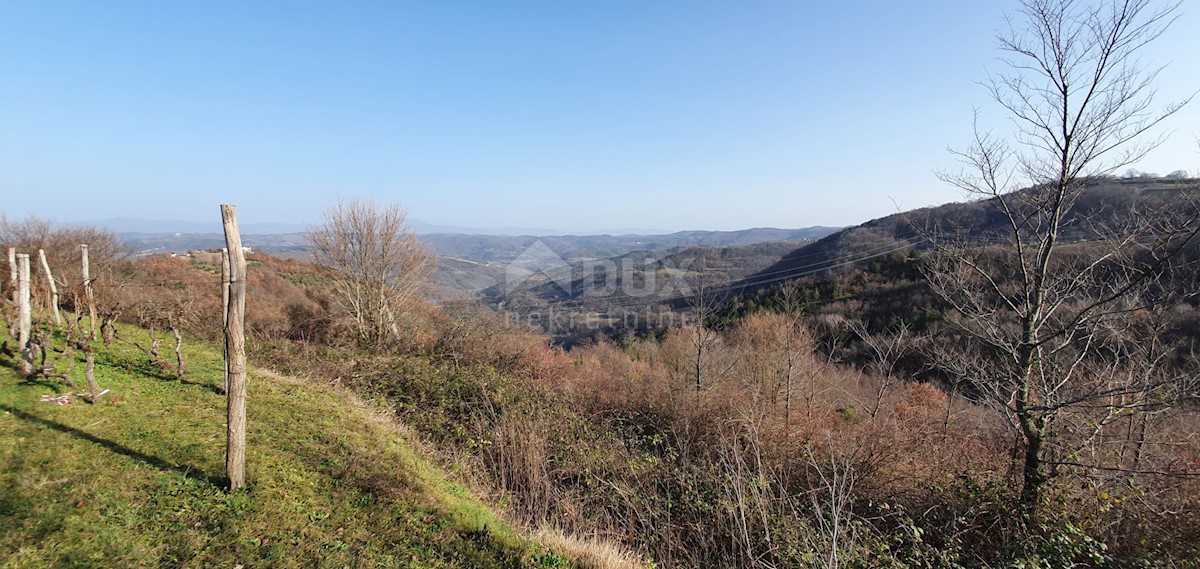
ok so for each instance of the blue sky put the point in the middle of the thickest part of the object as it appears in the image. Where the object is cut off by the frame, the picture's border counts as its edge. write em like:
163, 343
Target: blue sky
576, 116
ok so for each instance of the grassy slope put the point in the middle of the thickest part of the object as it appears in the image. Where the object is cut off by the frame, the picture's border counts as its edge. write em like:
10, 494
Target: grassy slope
137, 480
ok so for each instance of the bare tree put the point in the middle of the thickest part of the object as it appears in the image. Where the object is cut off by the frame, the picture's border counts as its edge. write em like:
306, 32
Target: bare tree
798, 345
376, 262
1054, 325
776, 351
832, 497
704, 300
886, 349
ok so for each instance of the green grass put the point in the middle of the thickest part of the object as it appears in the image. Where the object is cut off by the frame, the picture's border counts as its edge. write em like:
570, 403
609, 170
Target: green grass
138, 480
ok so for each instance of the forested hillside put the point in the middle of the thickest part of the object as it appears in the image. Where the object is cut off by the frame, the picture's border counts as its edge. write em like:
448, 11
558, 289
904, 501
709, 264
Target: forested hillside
1106, 206
690, 446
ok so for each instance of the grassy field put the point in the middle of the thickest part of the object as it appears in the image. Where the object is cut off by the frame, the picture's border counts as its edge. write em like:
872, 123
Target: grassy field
137, 480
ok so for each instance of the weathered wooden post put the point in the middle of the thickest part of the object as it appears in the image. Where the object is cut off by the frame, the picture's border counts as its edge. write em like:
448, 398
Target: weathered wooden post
24, 314
235, 352
12, 288
88, 295
225, 309
12, 274
53, 287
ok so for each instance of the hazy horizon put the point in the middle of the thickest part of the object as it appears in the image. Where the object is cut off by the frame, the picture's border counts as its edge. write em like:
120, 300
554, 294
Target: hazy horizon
158, 226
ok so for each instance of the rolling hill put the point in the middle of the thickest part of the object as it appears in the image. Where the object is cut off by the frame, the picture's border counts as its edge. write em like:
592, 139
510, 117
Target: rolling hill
137, 479
1105, 204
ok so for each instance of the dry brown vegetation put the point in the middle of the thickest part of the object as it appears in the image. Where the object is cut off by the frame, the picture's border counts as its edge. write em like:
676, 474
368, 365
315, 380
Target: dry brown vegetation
783, 457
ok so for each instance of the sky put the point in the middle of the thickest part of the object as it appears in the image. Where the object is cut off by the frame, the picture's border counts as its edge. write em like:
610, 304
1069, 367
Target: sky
572, 116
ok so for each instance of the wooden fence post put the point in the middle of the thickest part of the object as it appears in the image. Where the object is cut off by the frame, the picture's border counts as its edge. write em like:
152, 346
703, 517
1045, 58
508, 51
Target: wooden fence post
225, 309
235, 357
53, 287
24, 315
88, 295
12, 274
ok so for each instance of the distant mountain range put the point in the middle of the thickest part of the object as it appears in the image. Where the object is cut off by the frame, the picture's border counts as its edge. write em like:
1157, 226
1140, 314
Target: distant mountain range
424, 228
288, 244
471, 247
504, 249
129, 225
159, 226
587, 294
472, 263
636, 278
